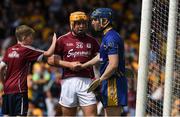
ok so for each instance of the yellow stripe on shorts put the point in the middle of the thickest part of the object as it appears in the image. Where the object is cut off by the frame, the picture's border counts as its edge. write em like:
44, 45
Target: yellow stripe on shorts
112, 92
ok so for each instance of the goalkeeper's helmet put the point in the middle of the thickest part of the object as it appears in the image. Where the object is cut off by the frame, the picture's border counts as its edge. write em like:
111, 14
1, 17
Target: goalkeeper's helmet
99, 13
77, 16
104, 16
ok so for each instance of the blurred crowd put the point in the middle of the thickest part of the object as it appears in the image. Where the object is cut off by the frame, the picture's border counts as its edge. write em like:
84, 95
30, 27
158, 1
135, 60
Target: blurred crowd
48, 16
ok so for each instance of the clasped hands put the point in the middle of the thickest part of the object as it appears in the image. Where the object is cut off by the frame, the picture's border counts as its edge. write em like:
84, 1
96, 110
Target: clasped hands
56, 60
76, 66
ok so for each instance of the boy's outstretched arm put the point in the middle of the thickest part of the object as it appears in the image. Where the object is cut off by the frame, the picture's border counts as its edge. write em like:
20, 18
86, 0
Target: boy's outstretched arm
51, 49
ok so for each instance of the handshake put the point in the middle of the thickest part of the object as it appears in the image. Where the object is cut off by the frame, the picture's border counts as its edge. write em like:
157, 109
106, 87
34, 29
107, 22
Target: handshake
76, 66
57, 61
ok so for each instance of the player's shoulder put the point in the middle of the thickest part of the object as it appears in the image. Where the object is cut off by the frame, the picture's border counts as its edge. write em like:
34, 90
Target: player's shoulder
12, 47
90, 36
17, 48
113, 35
64, 36
30, 48
91, 39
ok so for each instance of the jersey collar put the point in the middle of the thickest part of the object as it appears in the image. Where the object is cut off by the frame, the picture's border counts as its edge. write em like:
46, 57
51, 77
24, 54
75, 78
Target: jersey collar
106, 30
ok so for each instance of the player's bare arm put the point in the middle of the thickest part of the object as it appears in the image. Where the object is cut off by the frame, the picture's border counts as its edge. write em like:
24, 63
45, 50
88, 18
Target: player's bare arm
53, 60
112, 66
2, 71
92, 62
50, 51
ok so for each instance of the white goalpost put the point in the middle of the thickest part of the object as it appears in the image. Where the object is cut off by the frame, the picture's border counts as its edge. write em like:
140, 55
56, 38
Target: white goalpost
173, 4
144, 54
158, 86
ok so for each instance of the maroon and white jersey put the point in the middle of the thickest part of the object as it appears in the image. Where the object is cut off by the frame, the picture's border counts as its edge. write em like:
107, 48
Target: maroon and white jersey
18, 59
72, 48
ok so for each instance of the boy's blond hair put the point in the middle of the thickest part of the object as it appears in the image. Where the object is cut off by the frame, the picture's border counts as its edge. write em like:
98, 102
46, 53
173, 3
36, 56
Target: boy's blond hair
23, 31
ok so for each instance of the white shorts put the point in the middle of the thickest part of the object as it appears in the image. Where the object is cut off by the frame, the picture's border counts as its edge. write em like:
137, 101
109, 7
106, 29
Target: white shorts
74, 92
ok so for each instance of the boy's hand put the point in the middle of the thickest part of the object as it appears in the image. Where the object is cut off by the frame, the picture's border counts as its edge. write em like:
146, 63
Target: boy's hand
51, 49
54, 38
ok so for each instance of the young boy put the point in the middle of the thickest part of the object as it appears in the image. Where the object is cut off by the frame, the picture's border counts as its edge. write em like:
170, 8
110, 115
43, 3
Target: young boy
14, 69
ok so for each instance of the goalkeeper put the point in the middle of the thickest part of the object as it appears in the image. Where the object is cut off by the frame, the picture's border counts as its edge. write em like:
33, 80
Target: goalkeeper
112, 60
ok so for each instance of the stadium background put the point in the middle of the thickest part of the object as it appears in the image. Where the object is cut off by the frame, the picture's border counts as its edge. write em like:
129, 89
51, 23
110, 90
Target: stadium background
48, 16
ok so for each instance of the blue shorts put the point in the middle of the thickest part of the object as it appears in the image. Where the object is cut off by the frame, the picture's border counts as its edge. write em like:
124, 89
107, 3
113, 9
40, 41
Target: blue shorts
114, 92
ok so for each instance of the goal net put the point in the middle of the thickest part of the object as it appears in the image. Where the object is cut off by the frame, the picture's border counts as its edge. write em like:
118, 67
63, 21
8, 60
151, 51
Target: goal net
157, 61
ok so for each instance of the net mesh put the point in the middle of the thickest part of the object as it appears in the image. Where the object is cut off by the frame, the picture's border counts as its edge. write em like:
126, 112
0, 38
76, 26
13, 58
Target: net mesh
157, 61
